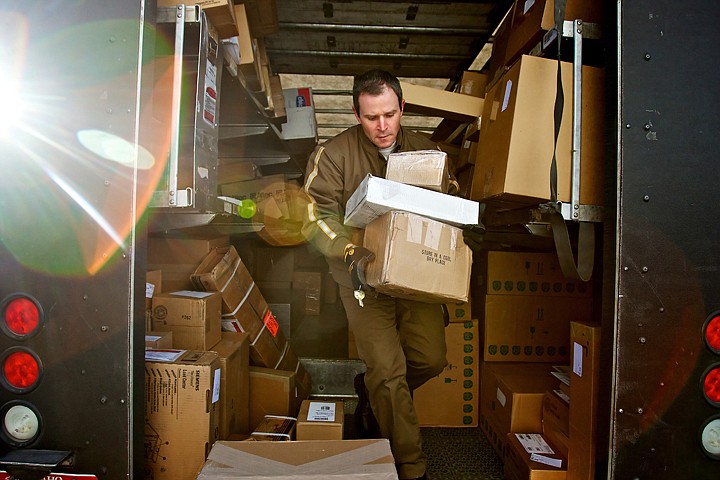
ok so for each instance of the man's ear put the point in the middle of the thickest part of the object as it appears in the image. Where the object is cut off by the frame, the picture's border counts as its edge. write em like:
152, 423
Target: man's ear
357, 117
402, 106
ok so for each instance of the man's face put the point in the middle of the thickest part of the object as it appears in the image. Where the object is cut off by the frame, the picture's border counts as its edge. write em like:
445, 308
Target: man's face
380, 116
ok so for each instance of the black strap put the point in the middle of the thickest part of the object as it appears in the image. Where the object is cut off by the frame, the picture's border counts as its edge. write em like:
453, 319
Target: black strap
582, 270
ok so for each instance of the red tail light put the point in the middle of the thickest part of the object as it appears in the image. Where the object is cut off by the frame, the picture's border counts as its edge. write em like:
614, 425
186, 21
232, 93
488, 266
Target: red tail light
711, 333
711, 384
21, 317
20, 370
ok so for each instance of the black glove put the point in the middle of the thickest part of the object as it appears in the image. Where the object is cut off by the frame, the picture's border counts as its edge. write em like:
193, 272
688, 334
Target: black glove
474, 235
356, 258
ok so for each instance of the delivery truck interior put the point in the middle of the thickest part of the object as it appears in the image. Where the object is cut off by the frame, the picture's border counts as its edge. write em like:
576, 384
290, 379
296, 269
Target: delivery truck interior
159, 305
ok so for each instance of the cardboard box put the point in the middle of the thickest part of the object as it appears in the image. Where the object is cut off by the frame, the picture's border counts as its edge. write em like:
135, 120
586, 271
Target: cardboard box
245, 308
511, 395
182, 412
275, 428
300, 111
527, 273
177, 257
234, 352
584, 387
193, 317
421, 168
473, 83
417, 258
517, 136
320, 420
532, 457
249, 64
451, 398
533, 18
220, 13
556, 419
158, 340
524, 328
272, 392
440, 103
459, 312
326, 459
376, 196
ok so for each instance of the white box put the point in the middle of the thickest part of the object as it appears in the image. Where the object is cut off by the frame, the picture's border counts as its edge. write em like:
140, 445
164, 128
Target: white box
376, 196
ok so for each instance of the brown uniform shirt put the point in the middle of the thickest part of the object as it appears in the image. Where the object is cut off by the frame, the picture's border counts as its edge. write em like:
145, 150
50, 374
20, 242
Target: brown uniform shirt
334, 171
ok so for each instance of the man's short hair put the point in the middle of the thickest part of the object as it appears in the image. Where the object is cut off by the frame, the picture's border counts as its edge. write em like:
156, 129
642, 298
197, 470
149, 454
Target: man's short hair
373, 82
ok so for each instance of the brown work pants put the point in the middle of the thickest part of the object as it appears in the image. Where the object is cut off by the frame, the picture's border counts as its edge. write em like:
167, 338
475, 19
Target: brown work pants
402, 343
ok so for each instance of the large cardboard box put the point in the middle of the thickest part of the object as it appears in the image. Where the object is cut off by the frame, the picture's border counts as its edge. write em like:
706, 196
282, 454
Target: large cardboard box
451, 398
440, 103
421, 168
418, 258
233, 350
182, 411
178, 256
376, 196
220, 13
317, 459
272, 392
511, 395
527, 273
584, 387
193, 317
524, 328
244, 307
517, 139
320, 420
533, 457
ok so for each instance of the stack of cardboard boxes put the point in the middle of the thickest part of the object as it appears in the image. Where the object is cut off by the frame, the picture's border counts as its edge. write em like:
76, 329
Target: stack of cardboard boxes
507, 152
528, 313
202, 341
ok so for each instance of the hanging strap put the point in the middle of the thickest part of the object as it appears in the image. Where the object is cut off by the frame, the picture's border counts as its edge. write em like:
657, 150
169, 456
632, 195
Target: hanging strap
582, 270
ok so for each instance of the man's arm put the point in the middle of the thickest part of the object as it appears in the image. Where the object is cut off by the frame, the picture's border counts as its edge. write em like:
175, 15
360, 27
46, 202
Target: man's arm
322, 222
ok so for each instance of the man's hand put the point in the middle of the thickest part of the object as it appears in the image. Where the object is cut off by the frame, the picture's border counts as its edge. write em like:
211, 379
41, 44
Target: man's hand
474, 235
356, 258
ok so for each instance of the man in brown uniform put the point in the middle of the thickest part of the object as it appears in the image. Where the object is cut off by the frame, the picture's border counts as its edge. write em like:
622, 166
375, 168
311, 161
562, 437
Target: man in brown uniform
402, 342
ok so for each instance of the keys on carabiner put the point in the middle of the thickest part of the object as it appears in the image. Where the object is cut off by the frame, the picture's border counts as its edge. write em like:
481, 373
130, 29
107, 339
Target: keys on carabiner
359, 296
